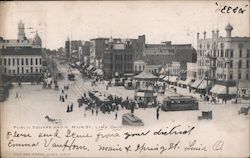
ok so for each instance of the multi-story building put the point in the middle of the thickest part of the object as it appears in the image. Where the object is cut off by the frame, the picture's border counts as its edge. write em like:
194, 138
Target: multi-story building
21, 64
224, 60
97, 48
117, 58
166, 53
72, 48
99, 45
21, 59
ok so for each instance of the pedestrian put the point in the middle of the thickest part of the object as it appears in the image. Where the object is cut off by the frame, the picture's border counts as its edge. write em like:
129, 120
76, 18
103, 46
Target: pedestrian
96, 112
84, 95
107, 87
84, 113
62, 91
116, 116
92, 111
71, 107
68, 110
60, 98
157, 115
66, 96
16, 95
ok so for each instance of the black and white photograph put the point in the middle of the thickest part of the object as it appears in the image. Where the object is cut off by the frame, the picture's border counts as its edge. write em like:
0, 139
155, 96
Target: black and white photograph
125, 79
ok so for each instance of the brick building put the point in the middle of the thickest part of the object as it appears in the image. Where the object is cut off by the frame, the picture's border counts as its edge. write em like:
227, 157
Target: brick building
118, 58
166, 53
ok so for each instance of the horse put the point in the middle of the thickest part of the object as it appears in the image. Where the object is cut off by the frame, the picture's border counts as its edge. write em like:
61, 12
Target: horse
56, 121
244, 110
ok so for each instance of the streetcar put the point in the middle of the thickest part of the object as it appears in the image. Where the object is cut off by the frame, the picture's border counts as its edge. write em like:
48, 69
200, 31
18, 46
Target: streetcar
180, 103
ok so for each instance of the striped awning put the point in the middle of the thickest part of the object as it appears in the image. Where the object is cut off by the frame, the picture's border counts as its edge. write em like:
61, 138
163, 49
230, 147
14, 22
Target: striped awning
196, 83
182, 71
204, 84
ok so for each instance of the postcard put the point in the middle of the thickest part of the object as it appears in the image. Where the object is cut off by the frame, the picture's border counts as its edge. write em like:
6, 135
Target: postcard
124, 79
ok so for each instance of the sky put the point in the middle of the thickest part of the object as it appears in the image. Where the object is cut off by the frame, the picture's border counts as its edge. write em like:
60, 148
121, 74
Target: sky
176, 21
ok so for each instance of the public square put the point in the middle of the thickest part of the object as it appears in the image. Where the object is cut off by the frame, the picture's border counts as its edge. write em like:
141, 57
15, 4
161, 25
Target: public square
34, 103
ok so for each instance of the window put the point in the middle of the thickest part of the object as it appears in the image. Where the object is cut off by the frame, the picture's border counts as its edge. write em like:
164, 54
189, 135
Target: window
247, 63
221, 53
9, 61
27, 71
13, 61
232, 53
31, 70
231, 64
4, 61
231, 76
22, 70
247, 76
9, 71
248, 53
0, 61
14, 71
226, 53
36, 70
239, 75
17, 60
240, 64
36, 61
31, 61
27, 62
240, 54
22, 60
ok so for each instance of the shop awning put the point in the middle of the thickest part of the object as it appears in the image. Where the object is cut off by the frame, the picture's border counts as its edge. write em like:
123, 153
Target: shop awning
221, 89
161, 76
90, 67
204, 84
187, 81
244, 85
196, 83
166, 78
98, 72
182, 71
173, 78
181, 82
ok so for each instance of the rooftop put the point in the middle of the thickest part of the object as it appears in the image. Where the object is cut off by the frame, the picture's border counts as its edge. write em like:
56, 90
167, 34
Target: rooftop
21, 51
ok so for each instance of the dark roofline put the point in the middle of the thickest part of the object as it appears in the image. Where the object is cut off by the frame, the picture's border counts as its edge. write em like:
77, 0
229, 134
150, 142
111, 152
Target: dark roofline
23, 51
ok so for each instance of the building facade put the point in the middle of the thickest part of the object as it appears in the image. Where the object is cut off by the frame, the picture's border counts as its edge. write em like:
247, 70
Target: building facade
21, 59
224, 60
166, 53
117, 59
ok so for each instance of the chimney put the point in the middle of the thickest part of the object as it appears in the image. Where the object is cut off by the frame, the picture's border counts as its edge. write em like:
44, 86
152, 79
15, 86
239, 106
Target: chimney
204, 33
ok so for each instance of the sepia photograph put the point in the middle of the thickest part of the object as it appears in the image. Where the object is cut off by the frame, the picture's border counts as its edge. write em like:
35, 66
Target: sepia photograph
125, 79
